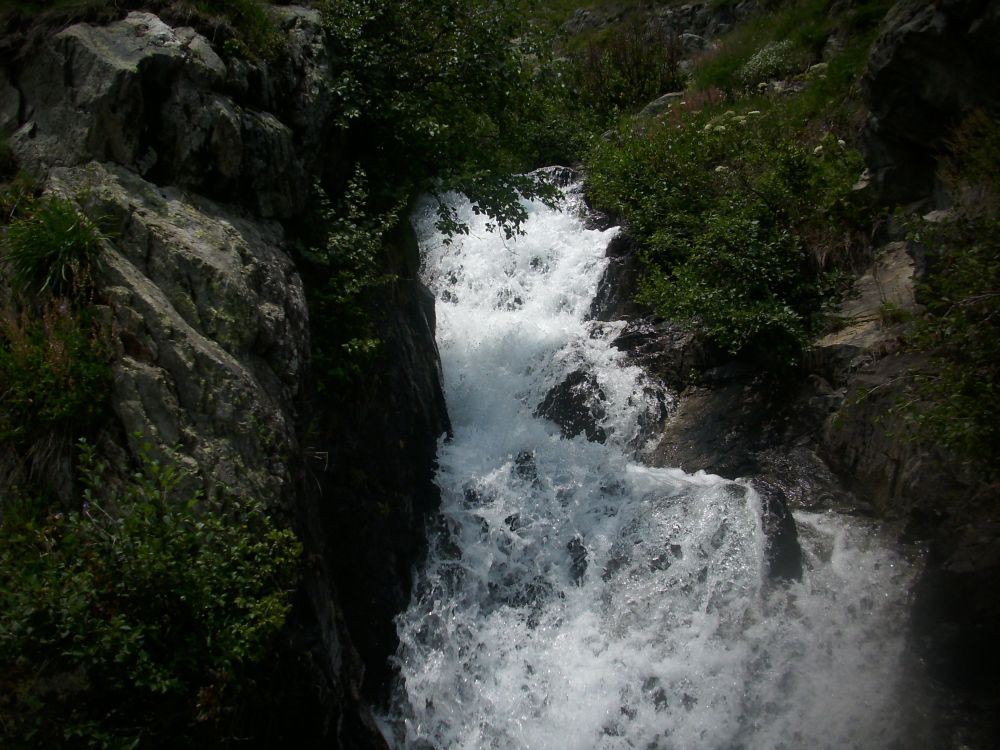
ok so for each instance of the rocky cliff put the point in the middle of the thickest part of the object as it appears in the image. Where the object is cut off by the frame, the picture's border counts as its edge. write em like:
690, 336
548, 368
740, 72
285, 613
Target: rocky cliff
196, 160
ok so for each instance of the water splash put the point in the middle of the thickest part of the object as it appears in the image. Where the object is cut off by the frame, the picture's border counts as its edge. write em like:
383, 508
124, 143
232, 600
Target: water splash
574, 598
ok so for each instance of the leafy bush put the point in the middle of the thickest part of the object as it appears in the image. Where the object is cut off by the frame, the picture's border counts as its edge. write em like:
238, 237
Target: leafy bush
345, 269
54, 372
131, 620
51, 247
433, 96
734, 217
773, 60
257, 35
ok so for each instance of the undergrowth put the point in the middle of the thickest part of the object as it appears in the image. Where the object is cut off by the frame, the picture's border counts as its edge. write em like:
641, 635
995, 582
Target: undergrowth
956, 404
131, 620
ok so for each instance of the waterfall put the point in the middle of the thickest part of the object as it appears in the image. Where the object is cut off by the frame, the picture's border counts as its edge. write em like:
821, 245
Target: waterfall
575, 598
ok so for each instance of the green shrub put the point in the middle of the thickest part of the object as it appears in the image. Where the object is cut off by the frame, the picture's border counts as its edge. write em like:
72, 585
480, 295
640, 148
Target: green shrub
735, 218
345, 269
257, 34
433, 96
131, 621
54, 372
773, 60
52, 247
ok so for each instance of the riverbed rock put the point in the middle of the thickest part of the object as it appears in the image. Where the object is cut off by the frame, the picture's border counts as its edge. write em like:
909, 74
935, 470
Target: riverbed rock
617, 287
577, 405
782, 550
665, 349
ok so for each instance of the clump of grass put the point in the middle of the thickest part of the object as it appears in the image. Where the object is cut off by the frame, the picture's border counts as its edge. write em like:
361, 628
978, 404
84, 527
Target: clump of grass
257, 35
52, 248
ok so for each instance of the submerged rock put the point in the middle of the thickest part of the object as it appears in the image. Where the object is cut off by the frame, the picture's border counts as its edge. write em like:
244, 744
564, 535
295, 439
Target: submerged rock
578, 559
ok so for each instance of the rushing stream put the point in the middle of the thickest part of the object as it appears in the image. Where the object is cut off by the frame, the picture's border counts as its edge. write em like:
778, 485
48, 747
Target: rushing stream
575, 598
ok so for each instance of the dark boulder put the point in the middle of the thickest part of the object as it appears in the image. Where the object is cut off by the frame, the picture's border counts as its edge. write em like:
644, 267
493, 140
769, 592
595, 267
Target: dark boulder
578, 559
931, 63
665, 349
616, 289
782, 551
577, 406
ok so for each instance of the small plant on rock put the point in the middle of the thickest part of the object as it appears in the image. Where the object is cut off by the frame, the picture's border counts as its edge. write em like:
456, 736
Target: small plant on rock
52, 247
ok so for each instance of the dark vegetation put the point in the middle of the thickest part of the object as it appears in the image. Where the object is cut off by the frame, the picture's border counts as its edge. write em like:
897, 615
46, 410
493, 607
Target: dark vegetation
961, 331
132, 620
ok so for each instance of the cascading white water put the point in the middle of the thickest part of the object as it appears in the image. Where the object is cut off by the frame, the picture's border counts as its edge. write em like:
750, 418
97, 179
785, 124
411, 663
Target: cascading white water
574, 598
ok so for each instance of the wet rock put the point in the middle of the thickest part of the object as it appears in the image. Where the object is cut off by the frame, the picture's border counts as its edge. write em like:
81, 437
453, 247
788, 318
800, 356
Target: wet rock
617, 287
615, 564
514, 522
474, 496
578, 559
577, 406
525, 467
665, 349
782, 550
715, 429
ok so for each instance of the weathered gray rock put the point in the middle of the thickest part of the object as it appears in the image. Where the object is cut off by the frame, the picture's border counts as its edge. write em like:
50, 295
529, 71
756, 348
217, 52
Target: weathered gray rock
867, 321
154, 99
660, 105
210, 325
931, 63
